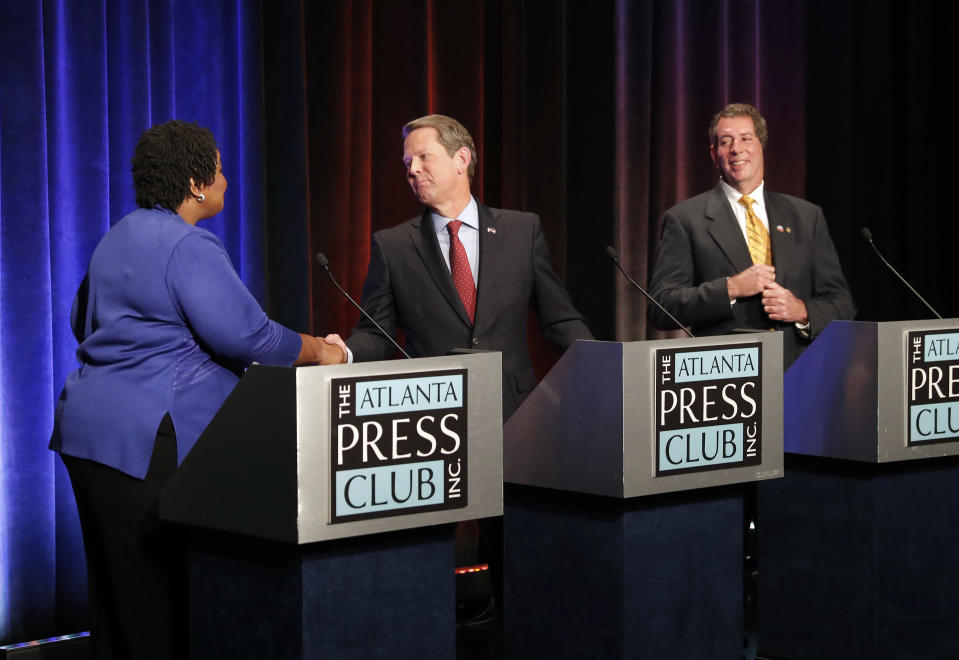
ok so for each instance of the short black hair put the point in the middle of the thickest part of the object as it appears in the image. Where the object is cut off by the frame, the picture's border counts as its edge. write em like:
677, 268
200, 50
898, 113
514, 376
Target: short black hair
167, 157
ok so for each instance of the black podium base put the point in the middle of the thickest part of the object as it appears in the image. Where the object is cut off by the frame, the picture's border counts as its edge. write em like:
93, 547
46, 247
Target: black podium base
593, 577
859, 560
382, 596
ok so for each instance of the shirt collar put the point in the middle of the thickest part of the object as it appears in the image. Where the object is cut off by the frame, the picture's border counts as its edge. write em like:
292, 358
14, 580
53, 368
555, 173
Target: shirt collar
469, 216
733, 195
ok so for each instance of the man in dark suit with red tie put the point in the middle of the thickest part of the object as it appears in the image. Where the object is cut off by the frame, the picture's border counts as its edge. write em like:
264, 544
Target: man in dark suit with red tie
461, 275
742, 256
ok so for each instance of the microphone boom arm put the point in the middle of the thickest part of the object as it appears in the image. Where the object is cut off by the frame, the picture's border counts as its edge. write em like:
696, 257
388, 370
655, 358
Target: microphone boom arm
868, 236
615, 257
324, 263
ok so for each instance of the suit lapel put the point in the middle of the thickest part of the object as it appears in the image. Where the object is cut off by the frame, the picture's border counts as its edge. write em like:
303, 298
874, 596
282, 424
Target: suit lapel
424, 240
781, 215
726, 231
490, 256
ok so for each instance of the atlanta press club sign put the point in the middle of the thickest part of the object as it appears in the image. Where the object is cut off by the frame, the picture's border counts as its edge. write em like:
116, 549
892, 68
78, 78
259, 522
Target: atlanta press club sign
708, 408
398, 444
932, 386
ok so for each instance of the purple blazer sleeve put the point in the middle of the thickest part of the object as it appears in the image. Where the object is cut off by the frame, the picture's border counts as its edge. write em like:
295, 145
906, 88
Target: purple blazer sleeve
219, 309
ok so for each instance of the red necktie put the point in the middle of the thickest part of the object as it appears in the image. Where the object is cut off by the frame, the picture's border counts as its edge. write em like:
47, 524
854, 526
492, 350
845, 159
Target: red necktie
460, 268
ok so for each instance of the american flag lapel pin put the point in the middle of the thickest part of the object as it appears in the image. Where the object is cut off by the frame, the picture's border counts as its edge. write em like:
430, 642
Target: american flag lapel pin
491, 230
780, 228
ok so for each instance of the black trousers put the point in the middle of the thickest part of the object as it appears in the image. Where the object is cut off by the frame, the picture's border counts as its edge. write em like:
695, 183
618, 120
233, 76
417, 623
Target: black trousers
136, 564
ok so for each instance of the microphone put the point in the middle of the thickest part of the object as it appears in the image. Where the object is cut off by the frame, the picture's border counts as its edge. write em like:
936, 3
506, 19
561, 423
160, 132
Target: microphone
868, 236
615, 257
324, 263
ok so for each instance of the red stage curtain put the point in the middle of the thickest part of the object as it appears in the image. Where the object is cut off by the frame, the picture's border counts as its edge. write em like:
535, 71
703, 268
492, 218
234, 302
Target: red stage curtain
594, 115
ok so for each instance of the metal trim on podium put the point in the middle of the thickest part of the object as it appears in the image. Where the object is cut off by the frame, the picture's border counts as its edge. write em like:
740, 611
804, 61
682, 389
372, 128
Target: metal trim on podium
609, 551
857, 543
295, 549
846, 396
589, 426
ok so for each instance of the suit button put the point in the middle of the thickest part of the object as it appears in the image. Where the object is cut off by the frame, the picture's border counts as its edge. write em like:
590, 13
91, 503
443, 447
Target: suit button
475, 341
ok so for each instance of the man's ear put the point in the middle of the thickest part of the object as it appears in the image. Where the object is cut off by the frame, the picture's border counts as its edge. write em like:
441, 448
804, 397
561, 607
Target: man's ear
712, 154
463, 158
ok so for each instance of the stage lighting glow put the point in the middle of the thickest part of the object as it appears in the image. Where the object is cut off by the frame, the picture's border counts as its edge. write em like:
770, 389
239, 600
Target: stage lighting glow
41, 642
471, 569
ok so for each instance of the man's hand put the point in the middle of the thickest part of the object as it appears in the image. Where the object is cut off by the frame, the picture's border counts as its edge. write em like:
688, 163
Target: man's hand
751, 281
334, 341
781, 305
321, 350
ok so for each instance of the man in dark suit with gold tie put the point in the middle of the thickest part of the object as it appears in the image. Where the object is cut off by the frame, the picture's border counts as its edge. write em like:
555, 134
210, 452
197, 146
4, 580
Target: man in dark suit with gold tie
742, 256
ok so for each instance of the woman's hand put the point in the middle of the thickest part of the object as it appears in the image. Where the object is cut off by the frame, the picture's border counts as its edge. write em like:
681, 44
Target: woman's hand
337, 349
321, 350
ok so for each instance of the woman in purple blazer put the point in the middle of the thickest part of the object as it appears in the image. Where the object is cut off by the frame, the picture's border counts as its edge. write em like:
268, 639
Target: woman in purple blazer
165, 327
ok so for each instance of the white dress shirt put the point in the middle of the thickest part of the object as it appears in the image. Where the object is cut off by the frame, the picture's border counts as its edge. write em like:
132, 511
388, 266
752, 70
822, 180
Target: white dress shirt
468, 235
759, 206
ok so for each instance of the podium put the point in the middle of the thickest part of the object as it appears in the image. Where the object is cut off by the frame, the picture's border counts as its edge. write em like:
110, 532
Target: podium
623, 520
320, 503
857, 550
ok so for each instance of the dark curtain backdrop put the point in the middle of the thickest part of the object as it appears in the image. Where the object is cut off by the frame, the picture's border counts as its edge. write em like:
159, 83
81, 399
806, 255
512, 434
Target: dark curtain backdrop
591, 113
882, 148
594, 115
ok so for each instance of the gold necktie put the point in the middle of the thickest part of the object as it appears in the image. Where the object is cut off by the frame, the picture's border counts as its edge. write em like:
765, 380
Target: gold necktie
760, 248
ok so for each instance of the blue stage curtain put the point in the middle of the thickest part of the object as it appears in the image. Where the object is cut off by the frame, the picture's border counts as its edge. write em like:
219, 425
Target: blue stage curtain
79, 81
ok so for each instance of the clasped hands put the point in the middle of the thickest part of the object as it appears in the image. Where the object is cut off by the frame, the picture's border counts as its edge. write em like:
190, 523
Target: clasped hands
322, 350
779, 303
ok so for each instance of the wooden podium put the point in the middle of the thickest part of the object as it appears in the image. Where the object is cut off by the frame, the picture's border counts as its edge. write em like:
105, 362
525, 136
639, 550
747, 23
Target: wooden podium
321, 501
623, 518
857, 542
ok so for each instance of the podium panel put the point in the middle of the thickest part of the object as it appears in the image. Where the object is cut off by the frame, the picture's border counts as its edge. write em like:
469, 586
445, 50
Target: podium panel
648, 577
320, 503
387, 595
876, 392
267, 464
623, 513
617, 419
857, 560
855, 549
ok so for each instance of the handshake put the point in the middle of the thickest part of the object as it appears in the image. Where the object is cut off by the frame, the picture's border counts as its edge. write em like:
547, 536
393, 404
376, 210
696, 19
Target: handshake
322, 350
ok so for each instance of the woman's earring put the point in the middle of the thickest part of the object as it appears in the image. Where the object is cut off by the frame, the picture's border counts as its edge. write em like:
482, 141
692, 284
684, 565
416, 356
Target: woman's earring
200, 198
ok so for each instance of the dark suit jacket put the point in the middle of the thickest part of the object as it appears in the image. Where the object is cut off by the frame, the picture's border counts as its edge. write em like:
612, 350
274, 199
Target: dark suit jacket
409, 287
702, 245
